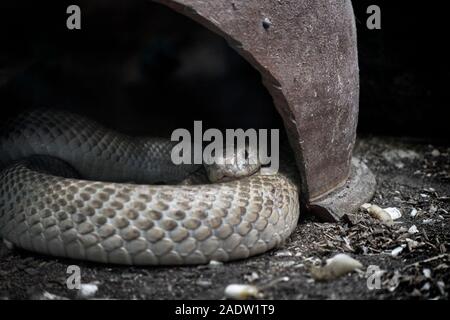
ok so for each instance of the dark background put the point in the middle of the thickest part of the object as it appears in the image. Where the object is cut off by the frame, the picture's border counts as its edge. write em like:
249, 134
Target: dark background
144, 69
404, 69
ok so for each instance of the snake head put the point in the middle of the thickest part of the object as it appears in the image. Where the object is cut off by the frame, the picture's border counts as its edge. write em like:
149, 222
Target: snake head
232, 163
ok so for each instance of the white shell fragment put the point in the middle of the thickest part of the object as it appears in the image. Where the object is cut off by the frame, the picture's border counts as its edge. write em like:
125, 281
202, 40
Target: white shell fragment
242, 292
413, 230
336, 267
394, 213
413, 213
379, 214
87, 290
396, 252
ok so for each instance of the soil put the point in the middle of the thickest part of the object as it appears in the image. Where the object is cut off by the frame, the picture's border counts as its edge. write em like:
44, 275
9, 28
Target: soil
412, 176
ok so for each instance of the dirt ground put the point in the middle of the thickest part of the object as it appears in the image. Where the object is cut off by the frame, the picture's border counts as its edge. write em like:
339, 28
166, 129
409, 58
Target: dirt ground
412, 176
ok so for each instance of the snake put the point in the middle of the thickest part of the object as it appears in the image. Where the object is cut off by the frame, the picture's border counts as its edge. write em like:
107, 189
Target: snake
73, 188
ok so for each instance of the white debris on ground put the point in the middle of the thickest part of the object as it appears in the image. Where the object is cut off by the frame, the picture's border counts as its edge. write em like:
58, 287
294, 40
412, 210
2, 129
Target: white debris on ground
378, 213
413, 213
395, 213
413, 230
242, 292
336, 267
87, 290
397, 251
386, 215
246, 291
435, 153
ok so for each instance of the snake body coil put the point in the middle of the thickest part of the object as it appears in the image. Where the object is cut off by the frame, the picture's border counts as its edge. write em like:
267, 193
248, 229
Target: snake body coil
45, 207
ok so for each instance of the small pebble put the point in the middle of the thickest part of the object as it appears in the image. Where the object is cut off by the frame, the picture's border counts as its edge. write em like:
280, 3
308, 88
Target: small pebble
435, 153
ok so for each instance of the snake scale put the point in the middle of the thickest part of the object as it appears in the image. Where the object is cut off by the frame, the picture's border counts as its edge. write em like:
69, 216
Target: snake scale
69, 187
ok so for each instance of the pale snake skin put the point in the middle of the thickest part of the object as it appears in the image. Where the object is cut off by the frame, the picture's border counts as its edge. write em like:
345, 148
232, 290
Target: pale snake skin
46, 208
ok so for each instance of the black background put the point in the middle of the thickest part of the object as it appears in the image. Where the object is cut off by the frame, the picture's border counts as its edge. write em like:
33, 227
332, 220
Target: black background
144, 69
405, 69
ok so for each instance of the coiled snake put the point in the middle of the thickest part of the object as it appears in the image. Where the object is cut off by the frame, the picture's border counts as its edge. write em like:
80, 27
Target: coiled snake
111, 216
